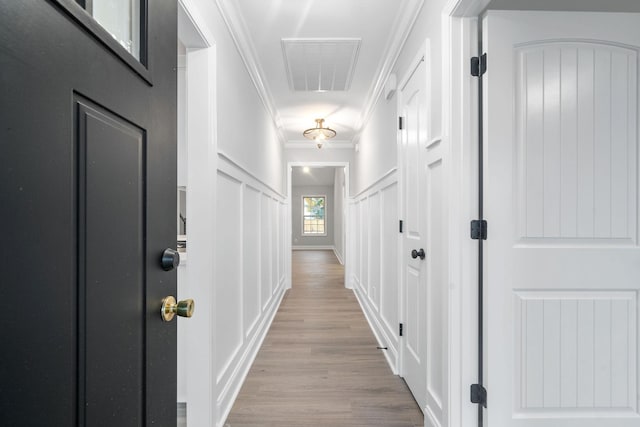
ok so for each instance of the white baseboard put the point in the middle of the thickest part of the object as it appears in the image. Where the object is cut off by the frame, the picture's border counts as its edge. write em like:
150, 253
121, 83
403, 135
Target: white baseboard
340, 260
231, 390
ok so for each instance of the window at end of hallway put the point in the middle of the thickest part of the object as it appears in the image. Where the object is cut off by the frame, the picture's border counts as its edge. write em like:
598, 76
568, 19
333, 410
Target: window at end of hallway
314, 216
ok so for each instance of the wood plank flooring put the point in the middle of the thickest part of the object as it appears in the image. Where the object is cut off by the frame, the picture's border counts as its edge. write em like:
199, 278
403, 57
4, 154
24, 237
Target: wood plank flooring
319, 365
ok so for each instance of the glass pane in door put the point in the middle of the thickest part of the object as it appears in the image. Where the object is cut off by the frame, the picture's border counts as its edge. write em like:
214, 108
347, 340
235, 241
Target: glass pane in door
121, 18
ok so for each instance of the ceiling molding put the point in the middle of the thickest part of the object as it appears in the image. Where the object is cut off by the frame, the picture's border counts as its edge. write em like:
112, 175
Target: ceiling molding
400, 32
240, 34
328, 145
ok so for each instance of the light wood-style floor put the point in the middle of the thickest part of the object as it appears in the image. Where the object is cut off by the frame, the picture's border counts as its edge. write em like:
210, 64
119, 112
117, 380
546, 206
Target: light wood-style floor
319, 365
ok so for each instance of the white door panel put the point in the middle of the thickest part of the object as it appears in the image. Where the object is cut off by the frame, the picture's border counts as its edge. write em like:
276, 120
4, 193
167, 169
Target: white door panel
437, 291
414, 138
425, 345
561, 184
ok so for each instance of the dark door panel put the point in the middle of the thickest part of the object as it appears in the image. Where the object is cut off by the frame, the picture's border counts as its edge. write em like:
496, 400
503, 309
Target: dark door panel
87, 200
111, 287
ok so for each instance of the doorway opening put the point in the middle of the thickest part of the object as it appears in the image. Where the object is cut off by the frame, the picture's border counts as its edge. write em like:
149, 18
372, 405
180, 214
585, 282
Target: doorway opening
318, 194
197, 162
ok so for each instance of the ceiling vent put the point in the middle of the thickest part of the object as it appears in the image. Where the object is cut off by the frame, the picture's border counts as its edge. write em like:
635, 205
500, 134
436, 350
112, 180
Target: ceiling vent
320, 65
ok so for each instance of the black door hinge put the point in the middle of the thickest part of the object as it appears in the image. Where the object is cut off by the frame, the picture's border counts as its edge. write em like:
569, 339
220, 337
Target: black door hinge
400, 124
400, 226
400, 329
479, 65
479, 394
479, 229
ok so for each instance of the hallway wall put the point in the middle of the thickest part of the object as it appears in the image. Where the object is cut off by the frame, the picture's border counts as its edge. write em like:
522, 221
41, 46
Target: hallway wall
245, 130
377, 147
248, 225
339, 191
250, 274
297, 238
310, 155
372, 259
378, 206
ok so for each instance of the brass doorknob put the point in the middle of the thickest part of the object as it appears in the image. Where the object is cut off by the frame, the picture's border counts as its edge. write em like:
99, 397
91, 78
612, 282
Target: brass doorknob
170, 308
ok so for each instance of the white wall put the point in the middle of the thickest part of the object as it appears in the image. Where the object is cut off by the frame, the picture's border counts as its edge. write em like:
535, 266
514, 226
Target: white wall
239, 201
298, 240
372, 258
250, 274
246, 133
378, 205
373, 237
313, 155
377, 147
339, 193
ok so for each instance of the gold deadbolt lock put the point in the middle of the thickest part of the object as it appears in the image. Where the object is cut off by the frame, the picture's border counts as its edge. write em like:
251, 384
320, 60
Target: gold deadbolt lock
170, 308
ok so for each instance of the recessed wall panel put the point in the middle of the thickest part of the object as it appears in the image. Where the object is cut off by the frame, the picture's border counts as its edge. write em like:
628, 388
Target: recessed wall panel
266, 255
389, 286
228, 272
364, 245
251, 251
374, 249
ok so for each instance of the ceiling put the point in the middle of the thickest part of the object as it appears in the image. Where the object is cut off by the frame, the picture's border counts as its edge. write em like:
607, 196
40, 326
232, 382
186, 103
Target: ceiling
350, 44
297, 51
315, 176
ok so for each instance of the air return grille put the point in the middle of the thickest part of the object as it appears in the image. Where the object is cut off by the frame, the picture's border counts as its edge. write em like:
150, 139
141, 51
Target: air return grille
320, 64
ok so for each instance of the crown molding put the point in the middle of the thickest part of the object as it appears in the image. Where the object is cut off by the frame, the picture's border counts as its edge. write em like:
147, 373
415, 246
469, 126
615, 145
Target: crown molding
328, 145
400, 33
240, 34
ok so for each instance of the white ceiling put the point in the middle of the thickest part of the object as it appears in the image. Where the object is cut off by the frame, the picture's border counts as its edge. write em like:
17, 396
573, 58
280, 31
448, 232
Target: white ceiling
259, 26
315, 176
381, 27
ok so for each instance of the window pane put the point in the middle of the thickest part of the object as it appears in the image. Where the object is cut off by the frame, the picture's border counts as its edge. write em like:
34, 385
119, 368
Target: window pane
121, 18
313, 221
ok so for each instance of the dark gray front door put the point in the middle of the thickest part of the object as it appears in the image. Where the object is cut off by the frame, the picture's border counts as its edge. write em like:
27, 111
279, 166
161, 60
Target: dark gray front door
87, 187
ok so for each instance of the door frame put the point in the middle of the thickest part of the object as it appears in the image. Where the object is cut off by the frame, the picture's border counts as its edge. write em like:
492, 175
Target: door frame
460, 127
346, 227
201, 120
422, 54
460, 24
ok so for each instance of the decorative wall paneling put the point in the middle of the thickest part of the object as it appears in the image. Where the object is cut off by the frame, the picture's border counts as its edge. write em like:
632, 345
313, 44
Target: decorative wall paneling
373, 260
250, 273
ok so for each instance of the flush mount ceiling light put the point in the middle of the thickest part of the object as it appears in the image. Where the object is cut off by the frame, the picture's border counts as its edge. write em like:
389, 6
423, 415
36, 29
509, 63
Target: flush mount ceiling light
319, 133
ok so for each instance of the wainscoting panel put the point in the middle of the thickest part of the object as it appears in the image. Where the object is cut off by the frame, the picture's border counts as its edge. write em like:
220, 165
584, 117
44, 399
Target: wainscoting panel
275, 244
228, 273
364, 245
374, 275
251, 250
389, 296
265, 255
249, 273
374, 249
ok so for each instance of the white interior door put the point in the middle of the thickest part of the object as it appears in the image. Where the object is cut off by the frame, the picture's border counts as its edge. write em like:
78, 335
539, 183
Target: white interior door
414, 140
561, 200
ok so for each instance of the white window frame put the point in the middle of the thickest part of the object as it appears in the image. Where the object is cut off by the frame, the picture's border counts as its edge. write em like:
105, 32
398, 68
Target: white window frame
326, 210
